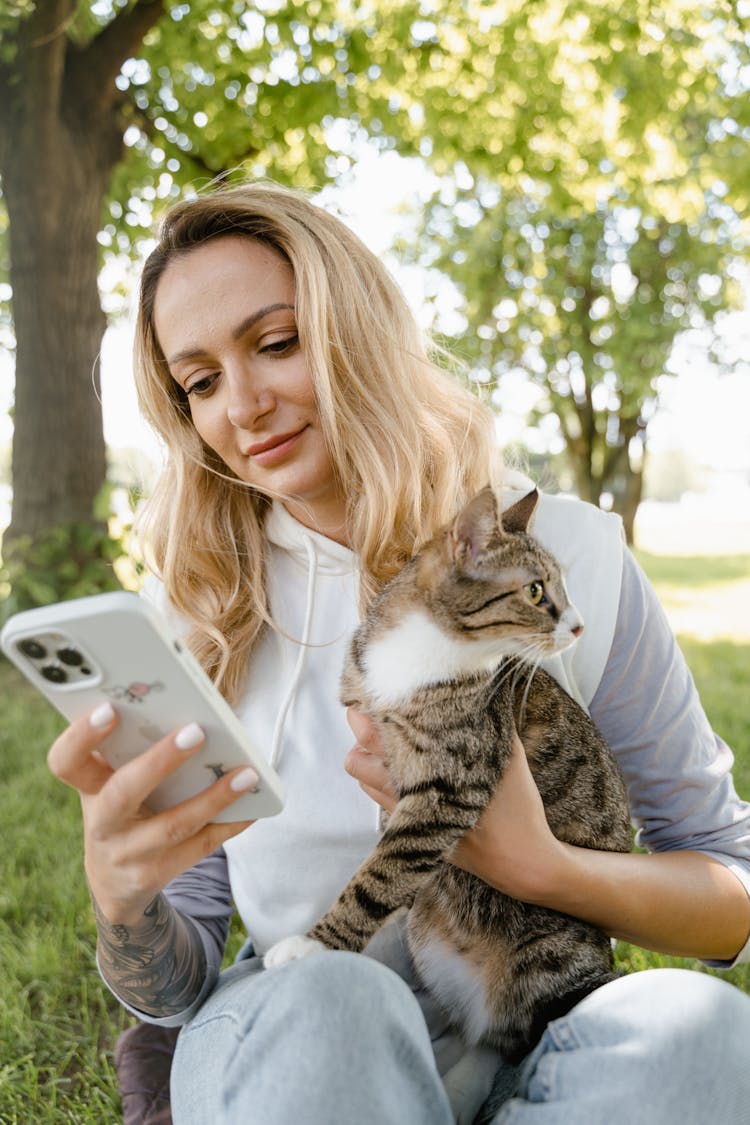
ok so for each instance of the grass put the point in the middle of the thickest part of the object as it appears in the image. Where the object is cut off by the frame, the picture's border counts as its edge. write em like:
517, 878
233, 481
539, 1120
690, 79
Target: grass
694, 571
58, 1024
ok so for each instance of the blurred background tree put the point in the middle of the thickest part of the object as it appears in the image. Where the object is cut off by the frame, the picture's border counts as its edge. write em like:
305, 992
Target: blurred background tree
593, 203
592, 190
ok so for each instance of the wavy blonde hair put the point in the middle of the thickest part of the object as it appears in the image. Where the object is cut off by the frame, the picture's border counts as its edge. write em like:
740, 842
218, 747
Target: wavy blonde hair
408, 443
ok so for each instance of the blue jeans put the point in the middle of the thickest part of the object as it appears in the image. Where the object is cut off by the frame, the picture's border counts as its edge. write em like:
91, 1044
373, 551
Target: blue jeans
339, 1039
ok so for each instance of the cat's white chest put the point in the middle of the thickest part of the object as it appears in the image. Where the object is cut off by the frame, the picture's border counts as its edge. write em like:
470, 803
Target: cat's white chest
417, 652
456, 984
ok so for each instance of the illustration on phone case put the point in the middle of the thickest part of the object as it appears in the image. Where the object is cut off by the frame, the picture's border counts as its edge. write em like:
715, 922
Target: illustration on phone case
218, 770
135, 692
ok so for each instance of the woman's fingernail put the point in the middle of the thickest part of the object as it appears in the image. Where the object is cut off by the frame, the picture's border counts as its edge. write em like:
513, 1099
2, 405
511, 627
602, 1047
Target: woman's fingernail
102, 716
189, 737
244, 780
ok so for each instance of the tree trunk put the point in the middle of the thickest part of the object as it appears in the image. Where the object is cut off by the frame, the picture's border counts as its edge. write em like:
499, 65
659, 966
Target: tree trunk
588, 486
61, 135
631, 499
54, 202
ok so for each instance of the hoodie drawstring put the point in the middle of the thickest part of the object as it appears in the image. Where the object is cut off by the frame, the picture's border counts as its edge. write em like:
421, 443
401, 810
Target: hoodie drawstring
278, 730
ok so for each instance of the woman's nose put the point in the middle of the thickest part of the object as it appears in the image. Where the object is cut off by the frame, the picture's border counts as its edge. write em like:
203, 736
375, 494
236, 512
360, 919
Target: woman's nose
248, 404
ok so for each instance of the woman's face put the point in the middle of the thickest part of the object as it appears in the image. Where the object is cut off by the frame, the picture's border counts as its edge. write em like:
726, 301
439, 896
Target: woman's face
224, 318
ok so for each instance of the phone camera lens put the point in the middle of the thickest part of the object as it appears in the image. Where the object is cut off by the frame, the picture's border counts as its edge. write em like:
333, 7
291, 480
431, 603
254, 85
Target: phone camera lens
54, 673
70, 656
32, 649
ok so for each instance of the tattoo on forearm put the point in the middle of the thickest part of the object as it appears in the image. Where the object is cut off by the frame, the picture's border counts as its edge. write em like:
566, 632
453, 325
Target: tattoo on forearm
158, 965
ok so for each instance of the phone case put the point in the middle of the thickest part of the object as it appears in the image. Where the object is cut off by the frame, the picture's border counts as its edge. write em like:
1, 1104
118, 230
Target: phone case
117, 647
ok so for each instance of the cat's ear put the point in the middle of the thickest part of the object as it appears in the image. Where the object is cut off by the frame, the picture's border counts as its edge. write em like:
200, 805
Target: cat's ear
473, 528
518, 517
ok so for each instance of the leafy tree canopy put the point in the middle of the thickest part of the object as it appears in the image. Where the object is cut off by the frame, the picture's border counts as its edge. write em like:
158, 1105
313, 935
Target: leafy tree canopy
594, 197
223, 87
592, 156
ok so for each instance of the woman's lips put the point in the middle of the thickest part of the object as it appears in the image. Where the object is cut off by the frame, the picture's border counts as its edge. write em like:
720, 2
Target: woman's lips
275, 449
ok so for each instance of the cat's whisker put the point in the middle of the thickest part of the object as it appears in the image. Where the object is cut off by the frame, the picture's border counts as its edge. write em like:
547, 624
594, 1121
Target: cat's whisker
510, 668
532, 672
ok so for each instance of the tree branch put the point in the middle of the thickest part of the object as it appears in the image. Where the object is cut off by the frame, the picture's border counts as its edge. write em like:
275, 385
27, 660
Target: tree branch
53, 23
38, 66
93, 68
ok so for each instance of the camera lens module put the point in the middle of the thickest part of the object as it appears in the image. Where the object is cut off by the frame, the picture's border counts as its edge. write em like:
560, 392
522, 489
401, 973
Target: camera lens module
54, 673
70, 656
33, 649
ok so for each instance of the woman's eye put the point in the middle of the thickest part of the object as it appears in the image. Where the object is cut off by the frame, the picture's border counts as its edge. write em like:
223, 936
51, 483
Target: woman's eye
201, 386
281, 347
535, 592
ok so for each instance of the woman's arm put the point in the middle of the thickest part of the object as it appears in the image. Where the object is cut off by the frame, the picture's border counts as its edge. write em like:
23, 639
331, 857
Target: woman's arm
681, 902
685, 903
156, 966
160, 968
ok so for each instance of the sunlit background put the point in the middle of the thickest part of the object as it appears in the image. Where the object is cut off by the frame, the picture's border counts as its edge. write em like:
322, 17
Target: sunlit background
698, 482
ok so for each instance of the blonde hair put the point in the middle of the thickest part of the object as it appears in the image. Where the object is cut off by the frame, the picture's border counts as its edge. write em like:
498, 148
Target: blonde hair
408, 443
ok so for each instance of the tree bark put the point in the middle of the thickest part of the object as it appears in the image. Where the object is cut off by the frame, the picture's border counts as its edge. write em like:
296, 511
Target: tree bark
631, 499
58, 444
60, 139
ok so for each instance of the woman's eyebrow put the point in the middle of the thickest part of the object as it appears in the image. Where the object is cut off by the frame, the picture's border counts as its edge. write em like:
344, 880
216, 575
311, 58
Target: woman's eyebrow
245, 325
237, 333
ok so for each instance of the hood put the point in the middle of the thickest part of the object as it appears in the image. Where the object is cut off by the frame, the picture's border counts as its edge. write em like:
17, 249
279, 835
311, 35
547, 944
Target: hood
288, 533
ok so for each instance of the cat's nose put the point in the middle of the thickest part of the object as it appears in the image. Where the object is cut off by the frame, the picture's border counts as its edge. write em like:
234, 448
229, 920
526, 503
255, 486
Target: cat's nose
576, 630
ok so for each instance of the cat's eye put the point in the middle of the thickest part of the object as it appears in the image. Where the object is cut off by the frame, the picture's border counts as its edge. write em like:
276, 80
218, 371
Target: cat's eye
534, 592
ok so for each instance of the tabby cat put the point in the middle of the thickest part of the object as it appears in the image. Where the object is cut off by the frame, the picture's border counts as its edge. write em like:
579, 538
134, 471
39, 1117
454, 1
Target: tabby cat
446, 662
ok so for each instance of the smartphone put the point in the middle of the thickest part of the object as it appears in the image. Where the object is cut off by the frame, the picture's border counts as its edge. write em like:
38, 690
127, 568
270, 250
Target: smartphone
117, 647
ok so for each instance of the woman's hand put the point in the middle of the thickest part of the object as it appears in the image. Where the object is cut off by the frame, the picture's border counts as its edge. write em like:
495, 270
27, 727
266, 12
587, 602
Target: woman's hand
130, 853
366, 763
511, 848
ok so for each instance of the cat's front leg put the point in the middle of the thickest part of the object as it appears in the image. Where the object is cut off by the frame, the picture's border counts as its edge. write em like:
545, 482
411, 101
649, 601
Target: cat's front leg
422, 830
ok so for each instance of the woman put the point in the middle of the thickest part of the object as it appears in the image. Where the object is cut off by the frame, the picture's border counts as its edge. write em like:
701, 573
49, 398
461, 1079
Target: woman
313, 447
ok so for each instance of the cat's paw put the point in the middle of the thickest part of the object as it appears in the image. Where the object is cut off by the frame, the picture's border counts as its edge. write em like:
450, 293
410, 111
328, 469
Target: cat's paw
291, 949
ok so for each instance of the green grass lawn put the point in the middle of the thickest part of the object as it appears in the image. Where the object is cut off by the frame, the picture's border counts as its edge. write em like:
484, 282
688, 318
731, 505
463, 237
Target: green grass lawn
57, 1022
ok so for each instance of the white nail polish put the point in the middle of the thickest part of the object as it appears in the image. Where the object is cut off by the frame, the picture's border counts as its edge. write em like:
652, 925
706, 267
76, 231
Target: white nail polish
189, 737
246, 779
102, 716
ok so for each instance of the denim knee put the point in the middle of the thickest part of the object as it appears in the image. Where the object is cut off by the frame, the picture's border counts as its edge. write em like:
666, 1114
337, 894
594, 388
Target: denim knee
660, 1046
304, 993
665, 1010
333, 1037
356, 988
